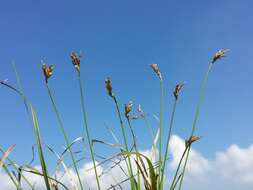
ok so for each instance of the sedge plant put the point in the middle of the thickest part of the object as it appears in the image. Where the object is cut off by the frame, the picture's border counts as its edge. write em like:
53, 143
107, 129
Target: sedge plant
218, 55
128, 163
176, 92
48, 72
76, 60
153, 174
128, 109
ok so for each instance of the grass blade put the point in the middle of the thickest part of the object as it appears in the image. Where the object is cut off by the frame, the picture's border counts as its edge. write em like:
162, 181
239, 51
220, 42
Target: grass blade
40, 150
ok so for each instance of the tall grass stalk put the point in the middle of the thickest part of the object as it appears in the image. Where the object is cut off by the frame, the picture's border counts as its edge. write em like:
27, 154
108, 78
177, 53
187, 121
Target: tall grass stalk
136, 150
174, 181
60, 122
201, 98
167, 143
130, 169
86, 128
40, 150
161, 131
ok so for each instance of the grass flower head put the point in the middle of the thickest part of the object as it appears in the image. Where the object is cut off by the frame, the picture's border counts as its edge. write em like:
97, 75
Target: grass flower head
109, 87
76, 60
177, 90
47, 71
219, 54
191, 140
128, 108
156, 70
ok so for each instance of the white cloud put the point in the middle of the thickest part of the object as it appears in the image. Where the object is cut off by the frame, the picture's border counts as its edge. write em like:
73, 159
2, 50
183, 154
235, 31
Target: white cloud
230, 169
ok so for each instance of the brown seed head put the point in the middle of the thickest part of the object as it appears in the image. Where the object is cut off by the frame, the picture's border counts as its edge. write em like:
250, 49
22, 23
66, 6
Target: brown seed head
177, 90
156, 70
48, 72
128, 108
191, 140
219, 54
76, 60
109, 87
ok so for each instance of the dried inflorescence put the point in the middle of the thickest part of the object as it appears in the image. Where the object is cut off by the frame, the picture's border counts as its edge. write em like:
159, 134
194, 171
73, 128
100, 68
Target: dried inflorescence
156, 70
219, 54
128, 108
76, 60
191, 140
47, 71
177, 90
109, 87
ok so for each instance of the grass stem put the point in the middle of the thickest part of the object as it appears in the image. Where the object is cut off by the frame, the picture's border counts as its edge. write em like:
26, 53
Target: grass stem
60, 122
167, 143
130, 169
87, 130
201, 98
160, 126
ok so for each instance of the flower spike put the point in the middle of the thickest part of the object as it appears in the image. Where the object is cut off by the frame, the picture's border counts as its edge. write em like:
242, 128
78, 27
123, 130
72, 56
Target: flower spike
219, 55
76, 60
48, 71
156, 70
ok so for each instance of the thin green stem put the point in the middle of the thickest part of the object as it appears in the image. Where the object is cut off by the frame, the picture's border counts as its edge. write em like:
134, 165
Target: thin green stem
168, 141
173, 184
60, 122
136, 150
161, 131
130, 169
149, 128
87, 130
202, 92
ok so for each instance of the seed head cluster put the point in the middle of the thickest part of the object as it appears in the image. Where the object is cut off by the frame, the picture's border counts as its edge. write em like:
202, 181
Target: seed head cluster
109, 87
177, 90
156, 70
191, 140
219, 55
47, 71
76, 60
128, 108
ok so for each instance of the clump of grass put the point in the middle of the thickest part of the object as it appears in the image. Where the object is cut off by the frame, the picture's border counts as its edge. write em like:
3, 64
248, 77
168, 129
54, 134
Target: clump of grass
148, 171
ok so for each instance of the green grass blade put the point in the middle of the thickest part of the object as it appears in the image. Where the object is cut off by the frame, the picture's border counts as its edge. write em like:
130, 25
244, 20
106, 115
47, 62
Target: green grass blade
40, 150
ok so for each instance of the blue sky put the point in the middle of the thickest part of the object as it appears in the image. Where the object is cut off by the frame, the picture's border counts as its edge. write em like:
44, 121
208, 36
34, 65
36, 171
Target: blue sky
119, 39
